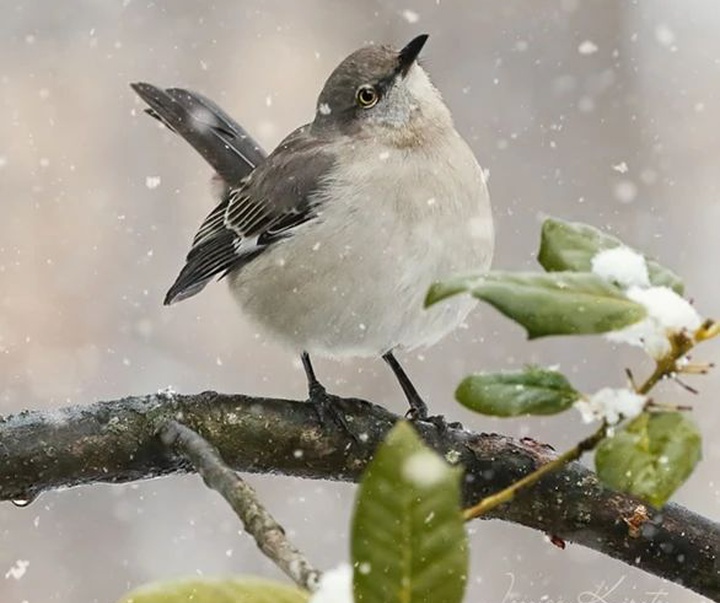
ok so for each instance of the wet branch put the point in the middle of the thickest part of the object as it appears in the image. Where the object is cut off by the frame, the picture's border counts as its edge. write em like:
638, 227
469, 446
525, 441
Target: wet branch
116, 441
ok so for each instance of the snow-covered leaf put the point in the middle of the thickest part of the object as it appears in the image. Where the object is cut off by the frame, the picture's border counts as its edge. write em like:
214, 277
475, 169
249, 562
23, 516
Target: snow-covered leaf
651, 457
572, 246
408, 540
534, 391
559, 303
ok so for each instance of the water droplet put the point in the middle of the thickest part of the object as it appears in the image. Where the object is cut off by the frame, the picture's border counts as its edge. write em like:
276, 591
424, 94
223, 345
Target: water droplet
23, 502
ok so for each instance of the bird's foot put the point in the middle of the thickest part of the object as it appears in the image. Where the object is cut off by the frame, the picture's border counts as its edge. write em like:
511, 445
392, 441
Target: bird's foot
329, 409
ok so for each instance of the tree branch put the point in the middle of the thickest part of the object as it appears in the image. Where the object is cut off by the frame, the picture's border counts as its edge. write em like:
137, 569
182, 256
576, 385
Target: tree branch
257, 521
117, 442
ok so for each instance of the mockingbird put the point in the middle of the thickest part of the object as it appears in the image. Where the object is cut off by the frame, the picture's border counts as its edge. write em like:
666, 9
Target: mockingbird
331, 242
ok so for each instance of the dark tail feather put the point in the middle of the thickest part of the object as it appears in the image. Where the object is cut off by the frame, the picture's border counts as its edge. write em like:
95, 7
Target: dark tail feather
223, 143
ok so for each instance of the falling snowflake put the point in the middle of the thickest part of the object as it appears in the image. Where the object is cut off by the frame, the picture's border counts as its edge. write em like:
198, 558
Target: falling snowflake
587, 47
152, 182
410, 16
18, 570
621, 167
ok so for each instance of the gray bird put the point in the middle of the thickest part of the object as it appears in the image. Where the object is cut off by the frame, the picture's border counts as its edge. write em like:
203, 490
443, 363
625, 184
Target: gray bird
331, 242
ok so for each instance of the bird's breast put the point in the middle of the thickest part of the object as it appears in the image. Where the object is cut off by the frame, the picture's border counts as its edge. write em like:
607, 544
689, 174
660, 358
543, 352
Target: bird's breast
353, 281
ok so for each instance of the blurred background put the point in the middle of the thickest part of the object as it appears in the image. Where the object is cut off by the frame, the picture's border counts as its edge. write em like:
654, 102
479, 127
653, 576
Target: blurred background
602, 111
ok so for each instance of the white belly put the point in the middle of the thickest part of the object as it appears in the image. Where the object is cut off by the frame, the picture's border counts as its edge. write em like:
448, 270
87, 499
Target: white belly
353, 282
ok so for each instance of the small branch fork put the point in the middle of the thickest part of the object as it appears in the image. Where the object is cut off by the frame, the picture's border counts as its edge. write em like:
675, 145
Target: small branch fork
258, 522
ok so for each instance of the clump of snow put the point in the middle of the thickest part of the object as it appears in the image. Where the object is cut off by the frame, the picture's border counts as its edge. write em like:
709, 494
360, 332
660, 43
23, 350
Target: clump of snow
668, 313
587, 47
667, 307
424, 469
611, 405
621, 167
324, 109
335, 586
622, 265
643, 334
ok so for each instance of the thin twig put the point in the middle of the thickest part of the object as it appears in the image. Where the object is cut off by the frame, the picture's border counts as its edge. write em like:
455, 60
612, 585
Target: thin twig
267, 532
665, 367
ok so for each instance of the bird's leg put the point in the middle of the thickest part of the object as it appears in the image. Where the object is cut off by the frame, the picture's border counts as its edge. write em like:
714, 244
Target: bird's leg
314, 386
418, 409
326, 405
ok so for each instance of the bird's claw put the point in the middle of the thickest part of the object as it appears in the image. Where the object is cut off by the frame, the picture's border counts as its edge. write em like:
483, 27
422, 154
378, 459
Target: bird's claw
438, 421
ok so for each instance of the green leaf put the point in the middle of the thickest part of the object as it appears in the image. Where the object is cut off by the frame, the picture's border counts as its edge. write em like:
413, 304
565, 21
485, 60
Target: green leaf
229, 590
572, 245
534, 391
560, 303
408, 540
651, 457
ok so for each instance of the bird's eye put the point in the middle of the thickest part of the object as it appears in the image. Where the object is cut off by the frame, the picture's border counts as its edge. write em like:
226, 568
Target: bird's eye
367, 96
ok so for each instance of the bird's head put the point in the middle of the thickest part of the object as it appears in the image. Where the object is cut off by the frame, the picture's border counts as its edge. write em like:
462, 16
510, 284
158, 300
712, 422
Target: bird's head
380, 91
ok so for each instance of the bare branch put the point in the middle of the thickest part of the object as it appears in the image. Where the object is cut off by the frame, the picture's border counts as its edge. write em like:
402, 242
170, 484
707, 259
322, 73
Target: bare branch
268, 533
116, 442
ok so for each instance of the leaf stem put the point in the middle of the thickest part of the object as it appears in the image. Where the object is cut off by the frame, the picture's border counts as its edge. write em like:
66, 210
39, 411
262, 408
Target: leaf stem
681, 345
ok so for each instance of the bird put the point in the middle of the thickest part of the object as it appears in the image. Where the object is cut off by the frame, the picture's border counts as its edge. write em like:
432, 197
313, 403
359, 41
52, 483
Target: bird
330, 243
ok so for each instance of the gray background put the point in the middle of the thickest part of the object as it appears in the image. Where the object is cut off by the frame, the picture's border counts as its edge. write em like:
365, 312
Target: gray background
87, 249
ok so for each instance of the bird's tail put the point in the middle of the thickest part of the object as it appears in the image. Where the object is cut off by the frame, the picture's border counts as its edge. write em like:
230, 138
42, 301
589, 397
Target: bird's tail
222, 142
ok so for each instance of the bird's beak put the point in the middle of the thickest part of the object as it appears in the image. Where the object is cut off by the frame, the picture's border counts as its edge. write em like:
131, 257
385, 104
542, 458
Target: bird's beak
407, 56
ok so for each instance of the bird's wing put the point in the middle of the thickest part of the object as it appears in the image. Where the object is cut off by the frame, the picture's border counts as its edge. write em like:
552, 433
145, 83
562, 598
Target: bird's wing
275, 200
224, 143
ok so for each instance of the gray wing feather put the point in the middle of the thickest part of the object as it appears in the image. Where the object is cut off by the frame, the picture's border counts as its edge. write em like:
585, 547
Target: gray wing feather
275, 200
266, 199
224, 143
